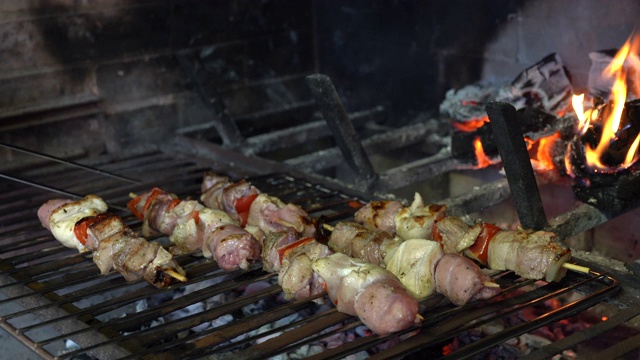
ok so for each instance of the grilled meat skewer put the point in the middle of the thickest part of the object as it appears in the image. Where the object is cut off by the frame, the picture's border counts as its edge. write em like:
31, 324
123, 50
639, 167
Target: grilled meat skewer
420, 264
86, 226
260, 211
532, 255
368, 291
417, 273
307, 267
193, 227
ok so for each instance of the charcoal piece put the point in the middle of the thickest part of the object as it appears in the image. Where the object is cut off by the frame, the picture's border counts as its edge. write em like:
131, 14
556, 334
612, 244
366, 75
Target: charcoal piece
462, 144
537, 93
611, 193
534, 123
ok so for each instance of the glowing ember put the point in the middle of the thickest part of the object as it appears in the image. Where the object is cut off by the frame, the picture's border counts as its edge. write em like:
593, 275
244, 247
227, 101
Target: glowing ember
471, 125
543, 159
612, 121
483, 160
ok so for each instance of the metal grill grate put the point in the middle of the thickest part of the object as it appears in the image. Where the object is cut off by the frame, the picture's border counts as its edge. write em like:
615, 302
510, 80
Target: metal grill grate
61, 294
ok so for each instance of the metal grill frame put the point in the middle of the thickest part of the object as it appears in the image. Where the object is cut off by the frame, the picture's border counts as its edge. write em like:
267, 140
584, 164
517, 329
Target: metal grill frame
33, 290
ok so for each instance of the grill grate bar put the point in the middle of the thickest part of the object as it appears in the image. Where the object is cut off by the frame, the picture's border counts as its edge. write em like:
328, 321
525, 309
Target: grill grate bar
69, 163
585, 335
468, 318
157, 333
276, 345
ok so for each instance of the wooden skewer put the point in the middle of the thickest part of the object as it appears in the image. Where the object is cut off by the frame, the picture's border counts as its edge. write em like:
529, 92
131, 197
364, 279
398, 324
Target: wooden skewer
169, 272
328, 227
176, 275
491, 284
577, 268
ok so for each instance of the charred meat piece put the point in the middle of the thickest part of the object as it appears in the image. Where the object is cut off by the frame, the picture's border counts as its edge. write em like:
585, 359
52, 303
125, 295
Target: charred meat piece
297, 277
455, 235
370, 292
379, 215
274, 245
355, 240
135, 258
417, 220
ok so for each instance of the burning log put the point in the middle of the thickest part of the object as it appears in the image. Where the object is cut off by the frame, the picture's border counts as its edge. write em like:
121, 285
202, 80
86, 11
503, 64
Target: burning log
537, 93
604, 157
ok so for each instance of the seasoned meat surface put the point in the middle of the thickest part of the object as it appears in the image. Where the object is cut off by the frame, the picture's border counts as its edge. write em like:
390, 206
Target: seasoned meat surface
370, 292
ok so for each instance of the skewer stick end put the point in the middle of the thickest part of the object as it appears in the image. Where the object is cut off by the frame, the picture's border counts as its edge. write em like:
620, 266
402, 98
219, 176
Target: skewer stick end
576, 268
176, 275
328, 227
133, 195
491, 284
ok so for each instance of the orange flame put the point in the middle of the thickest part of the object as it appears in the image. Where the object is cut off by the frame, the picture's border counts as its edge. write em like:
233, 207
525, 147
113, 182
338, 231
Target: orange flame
567, 161
483, 160
612, 122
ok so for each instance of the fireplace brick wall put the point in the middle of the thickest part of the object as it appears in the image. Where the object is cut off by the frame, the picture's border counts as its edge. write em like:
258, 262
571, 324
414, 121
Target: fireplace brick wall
95, 76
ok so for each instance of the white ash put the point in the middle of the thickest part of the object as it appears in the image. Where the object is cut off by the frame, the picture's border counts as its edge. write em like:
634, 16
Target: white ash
71, 346
600, 84
468, 103
142, 305
545, 85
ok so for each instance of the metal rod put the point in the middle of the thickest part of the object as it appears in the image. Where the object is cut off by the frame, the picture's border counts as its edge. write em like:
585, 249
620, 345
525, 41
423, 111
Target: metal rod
70, 163
225, 124
517, 164
338, 121
52, 189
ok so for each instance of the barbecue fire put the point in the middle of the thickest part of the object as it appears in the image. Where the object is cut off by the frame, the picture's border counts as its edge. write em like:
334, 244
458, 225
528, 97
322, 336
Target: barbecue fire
616, 130
606, 133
